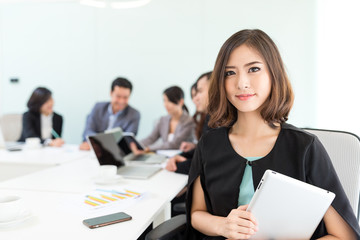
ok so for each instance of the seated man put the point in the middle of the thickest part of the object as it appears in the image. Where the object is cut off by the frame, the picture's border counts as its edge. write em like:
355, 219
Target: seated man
117, 113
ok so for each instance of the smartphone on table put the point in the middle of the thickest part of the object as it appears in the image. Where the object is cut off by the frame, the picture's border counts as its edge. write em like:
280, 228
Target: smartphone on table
107, 220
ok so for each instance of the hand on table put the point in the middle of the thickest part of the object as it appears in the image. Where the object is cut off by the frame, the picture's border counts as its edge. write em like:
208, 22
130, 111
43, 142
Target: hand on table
57, 142
84, 146
171, 163
187, 146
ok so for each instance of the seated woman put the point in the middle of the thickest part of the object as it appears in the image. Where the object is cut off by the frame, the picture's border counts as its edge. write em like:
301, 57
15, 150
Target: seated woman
199, 118
250, 97
41, 121
173, 128
181, 163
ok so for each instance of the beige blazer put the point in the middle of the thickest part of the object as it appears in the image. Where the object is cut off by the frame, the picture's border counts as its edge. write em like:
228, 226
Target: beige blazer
185, 131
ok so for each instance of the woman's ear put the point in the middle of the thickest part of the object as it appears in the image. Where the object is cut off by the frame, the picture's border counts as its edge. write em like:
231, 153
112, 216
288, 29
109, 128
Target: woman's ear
181, 102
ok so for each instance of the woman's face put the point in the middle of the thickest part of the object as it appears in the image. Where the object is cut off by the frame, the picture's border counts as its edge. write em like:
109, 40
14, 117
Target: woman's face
201, 98
47, 107
171, 107
193, 94
247, 79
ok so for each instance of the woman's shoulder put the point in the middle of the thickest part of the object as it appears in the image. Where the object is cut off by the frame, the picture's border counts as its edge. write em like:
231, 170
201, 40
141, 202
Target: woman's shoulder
214, 135
292, 133
165, 118
31, 114
57, 115
186, 119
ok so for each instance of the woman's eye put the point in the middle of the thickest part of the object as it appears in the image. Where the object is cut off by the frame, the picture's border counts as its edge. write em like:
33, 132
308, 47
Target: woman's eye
254, 69
229, 73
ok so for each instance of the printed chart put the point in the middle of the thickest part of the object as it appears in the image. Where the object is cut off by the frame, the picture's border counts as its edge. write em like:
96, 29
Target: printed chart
102, 197
102, 201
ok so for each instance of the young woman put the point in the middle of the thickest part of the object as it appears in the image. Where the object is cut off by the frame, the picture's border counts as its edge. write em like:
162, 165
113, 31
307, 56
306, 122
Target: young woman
199, 118
250, 97
173, 128
41, 121
181, 163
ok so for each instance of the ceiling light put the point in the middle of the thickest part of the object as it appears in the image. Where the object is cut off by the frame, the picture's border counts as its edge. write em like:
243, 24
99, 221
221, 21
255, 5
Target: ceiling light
115, 3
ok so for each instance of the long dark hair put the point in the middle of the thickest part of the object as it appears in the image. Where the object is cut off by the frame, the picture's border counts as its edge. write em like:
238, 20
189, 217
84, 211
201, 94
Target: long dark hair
193, 87
207, 75
199, 118
175, 94
277, 107
39, 96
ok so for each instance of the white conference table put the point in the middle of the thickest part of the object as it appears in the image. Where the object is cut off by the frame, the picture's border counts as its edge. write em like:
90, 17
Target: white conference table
49, 194
20, 163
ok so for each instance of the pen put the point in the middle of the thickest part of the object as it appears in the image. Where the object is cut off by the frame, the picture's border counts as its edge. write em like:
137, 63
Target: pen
54, 133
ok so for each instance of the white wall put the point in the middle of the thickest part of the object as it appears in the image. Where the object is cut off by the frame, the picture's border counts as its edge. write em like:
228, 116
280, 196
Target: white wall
77, 51
338, 77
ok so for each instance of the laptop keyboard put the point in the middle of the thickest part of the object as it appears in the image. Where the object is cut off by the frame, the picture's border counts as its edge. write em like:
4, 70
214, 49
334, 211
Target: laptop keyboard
140, 157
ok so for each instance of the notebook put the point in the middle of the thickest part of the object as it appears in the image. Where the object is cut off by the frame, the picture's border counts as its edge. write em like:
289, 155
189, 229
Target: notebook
107, 152
287, 208
125, 138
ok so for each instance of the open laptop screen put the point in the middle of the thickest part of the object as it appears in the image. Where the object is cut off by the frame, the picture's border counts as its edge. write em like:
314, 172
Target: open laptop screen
106, 149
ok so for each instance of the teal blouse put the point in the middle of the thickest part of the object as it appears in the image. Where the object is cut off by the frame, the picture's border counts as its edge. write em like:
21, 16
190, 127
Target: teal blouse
247, 185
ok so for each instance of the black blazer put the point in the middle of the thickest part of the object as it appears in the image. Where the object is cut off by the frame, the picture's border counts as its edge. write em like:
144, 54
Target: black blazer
31, 125
296, 153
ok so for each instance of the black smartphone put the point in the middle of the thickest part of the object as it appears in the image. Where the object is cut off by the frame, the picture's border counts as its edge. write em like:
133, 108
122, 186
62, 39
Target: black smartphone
107, 220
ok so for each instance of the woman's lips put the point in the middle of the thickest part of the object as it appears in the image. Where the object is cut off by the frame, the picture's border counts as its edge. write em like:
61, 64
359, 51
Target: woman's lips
245, 97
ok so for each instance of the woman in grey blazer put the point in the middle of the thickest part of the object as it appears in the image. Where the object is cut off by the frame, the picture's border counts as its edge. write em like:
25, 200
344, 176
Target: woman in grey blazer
173, 128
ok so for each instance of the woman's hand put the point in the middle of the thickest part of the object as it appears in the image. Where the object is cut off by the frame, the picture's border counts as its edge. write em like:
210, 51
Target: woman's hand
187, 146
239, 224
137, 151
171, 163
58, 142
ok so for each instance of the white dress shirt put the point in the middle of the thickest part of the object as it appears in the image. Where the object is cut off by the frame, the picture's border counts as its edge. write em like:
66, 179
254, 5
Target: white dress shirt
46, 126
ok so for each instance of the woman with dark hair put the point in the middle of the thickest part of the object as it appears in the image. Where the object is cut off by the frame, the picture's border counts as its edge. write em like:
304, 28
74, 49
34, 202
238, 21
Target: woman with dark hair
173, 128
250, 98
181, 163
41, 121
198, 117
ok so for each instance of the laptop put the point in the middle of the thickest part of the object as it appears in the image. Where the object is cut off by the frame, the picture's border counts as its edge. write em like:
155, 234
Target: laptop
287, 208
125, 138
107, 152
10, 146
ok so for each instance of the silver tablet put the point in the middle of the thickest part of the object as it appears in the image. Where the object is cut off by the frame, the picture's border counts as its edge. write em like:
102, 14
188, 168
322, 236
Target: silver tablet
287, 208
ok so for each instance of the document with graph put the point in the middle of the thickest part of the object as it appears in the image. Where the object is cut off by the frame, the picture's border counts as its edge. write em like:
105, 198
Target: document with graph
103, 200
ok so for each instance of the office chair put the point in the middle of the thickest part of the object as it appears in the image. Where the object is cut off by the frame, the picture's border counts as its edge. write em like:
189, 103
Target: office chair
171, 229
11, 125
344, 151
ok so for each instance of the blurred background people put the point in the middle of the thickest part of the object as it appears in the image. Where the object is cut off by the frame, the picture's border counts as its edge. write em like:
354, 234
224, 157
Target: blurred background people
173, 128
181, 163
199, 118
116, 113
40, 120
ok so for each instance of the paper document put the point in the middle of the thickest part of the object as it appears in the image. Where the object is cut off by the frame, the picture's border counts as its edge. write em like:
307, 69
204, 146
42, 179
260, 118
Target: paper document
103, 200
169, 153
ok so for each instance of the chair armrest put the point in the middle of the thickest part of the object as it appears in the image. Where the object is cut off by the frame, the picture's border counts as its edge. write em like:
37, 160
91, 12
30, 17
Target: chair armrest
168, 229
180, 207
